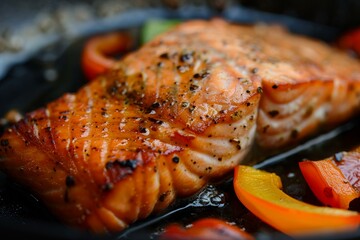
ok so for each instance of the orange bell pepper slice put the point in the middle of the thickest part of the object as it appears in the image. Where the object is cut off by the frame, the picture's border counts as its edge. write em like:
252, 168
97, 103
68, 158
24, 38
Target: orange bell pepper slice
260, 192
99, 51
328, 183
205, 229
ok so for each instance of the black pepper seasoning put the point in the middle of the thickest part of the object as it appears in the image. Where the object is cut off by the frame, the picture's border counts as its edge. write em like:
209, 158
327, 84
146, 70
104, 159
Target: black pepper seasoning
70, 181
273, 113
164, 56
176, 159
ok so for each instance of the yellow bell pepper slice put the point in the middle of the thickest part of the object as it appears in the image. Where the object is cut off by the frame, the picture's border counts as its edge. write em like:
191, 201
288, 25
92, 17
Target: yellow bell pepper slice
260, 192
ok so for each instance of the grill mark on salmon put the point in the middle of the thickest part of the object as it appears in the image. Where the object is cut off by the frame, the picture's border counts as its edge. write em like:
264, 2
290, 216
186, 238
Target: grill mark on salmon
181, 111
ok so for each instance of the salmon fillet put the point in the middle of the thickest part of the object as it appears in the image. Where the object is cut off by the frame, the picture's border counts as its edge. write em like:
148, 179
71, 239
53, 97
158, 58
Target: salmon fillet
179, 112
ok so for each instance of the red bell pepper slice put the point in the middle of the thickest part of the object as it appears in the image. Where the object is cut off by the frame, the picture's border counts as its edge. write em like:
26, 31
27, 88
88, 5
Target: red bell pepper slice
351, 40
334, 181
99, 51
205, 229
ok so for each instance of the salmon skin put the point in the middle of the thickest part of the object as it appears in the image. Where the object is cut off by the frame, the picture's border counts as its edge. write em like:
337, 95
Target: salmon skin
181, 111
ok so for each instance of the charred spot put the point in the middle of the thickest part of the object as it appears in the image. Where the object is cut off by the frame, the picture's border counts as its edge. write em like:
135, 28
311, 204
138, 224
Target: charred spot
197, 76
248, 104
176, 159
164, 56
275, 86
47, 129
273, 113
69, 181
153, 120
129, 163
248, 91
259, 90
338, 156
155, 105
119, 169
143, 130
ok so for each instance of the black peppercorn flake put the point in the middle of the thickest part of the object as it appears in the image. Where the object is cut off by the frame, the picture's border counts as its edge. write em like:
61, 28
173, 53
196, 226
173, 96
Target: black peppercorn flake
70, 181
155, 105
273, 113
186, 57
142, 130
196, 76
176, 159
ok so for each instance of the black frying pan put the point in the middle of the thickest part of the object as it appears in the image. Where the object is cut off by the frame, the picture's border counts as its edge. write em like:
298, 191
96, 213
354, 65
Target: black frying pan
32, 76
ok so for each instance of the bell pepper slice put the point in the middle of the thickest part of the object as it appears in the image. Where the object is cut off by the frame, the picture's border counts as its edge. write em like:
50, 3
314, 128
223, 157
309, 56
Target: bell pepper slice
154, 27
351, 40
99, 51
205, 229
328, 183
261, 193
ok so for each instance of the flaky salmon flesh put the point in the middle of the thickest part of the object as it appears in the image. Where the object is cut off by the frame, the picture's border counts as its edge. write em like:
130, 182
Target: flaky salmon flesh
181, 111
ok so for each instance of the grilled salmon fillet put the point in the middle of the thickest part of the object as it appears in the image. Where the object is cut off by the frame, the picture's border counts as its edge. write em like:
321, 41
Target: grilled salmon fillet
181, 111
